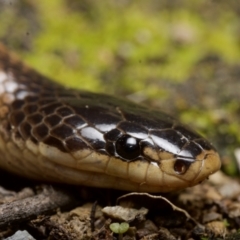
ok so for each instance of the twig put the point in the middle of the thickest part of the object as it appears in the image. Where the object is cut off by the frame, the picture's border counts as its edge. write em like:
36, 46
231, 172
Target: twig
29, 208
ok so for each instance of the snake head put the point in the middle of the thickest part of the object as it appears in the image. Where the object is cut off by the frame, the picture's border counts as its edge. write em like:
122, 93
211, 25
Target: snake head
166, 158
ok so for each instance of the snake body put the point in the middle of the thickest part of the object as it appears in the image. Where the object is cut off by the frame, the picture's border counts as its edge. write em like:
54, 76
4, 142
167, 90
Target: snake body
52, 133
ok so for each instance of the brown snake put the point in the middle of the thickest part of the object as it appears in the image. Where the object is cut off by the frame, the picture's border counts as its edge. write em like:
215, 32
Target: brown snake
51, 133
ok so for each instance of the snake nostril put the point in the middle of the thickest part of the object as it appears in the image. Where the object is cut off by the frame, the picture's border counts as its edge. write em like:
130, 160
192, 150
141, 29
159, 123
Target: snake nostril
180, 166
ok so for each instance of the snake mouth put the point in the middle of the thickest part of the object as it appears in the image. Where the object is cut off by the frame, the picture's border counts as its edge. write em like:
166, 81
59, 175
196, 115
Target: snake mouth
210, 164
182, 172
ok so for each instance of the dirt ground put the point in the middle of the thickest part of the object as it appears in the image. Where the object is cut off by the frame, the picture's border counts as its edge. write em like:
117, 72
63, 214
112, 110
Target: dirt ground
210, 210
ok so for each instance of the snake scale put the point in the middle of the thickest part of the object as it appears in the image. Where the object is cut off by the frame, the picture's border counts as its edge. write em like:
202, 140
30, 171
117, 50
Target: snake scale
52, 133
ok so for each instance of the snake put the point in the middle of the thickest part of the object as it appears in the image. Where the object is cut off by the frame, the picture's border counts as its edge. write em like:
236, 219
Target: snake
52, 133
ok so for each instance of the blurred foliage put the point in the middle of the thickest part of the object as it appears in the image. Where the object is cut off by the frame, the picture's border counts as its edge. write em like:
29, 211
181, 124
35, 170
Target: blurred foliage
180, 55
81, 40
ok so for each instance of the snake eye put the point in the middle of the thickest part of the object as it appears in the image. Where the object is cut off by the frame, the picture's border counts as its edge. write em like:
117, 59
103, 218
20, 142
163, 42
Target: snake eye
128, 147
181, 166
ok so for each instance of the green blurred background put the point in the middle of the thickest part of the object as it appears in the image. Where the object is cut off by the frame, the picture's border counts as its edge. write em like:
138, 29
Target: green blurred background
181, 56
